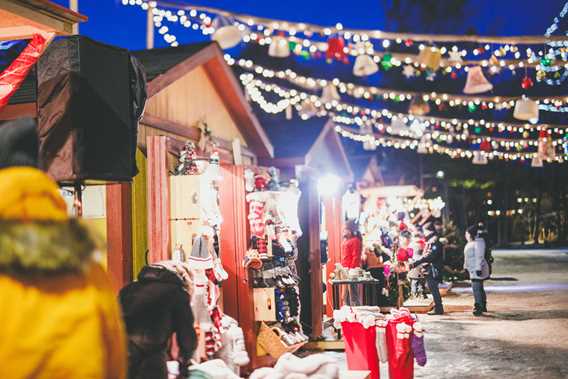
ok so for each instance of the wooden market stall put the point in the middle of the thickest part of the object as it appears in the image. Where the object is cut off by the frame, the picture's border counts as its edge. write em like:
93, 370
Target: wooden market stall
190, 87
314, 155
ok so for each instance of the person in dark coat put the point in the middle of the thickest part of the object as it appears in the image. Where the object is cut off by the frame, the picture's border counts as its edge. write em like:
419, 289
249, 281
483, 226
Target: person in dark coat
155, 307
434, 256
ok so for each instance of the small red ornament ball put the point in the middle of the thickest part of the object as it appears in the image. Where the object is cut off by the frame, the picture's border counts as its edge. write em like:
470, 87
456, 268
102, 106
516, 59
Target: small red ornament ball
454, 75
527, 83
484, 106
408, 42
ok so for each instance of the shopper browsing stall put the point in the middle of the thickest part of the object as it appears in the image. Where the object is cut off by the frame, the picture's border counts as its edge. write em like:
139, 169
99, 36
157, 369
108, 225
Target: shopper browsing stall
433, 256
351, 259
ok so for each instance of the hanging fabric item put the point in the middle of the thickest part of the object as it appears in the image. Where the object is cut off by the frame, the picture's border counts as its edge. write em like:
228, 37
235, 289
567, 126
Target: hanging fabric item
14, 75
351, 204
401, 357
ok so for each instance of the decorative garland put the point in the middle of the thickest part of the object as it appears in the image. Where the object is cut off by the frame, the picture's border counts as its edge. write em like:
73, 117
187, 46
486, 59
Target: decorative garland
307, 39
369, 92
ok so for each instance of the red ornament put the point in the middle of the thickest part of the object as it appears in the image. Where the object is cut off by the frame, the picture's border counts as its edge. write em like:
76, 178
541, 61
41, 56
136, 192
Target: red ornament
542, 134
484, 106
260, 182
335, 46
485, 146
408, 42
454, 75
527, 83
481, 50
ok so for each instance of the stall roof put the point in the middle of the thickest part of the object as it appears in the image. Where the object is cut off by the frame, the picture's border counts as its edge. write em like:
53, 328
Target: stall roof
21, 19
304, 143
165, 66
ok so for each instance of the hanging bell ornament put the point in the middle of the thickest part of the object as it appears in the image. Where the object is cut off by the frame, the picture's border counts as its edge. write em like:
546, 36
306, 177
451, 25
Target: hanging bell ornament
335, 49
527, 83
525, 109
329, 94
471, 107
476, 81
227, 34
485, 145
364, 66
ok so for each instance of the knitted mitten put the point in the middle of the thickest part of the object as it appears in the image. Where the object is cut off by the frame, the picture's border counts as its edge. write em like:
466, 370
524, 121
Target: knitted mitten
417, 344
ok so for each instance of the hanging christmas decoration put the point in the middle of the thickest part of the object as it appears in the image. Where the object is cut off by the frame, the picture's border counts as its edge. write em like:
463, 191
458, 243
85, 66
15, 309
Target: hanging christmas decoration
329, 94
430, 57
335, 49
386, 62
485, 145
418, 107
526, 109
471, 107
279, 47
364, 66
408, 71
430, 75
454, 75
527, 83
476, 81
227, 34
479, 158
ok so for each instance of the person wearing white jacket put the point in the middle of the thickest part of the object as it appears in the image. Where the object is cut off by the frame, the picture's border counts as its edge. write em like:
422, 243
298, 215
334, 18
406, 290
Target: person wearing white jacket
476, 265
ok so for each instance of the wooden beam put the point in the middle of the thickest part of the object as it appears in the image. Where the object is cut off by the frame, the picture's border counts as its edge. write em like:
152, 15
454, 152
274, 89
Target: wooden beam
181, 69
334, 226
119, 233
23, 18
12, 112
190, 132
158, 199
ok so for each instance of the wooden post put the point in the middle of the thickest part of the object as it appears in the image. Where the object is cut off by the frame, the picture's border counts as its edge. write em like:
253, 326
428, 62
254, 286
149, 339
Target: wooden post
119, 233
74, 6
237, 290
149, 29
334, 227
158, 199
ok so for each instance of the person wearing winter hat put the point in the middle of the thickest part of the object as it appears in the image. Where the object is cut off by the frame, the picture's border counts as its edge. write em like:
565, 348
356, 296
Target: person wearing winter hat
154, 307
60, 318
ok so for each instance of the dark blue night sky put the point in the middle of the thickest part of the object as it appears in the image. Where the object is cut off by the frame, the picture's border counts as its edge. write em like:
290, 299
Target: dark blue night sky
125, 26
111, 22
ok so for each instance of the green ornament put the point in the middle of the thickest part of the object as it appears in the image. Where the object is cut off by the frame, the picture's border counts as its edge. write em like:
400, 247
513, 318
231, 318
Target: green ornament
398, 99
304, 54
292, 45
477, 129
471, 107
545, 61
386, 62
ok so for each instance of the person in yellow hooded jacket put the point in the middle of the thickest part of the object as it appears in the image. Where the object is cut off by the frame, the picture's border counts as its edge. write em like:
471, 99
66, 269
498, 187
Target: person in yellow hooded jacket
59, 317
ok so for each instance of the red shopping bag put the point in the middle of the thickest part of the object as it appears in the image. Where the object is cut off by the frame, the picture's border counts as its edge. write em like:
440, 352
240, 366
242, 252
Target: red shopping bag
361, 348
400, 356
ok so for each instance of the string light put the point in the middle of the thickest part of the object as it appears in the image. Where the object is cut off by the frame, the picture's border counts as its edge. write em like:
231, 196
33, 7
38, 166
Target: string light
374, 114
273, 27
368, 92
431, 147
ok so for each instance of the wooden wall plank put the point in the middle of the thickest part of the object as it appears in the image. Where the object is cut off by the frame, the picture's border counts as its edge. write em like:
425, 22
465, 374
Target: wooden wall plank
119, 233
158, 198
139, 215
